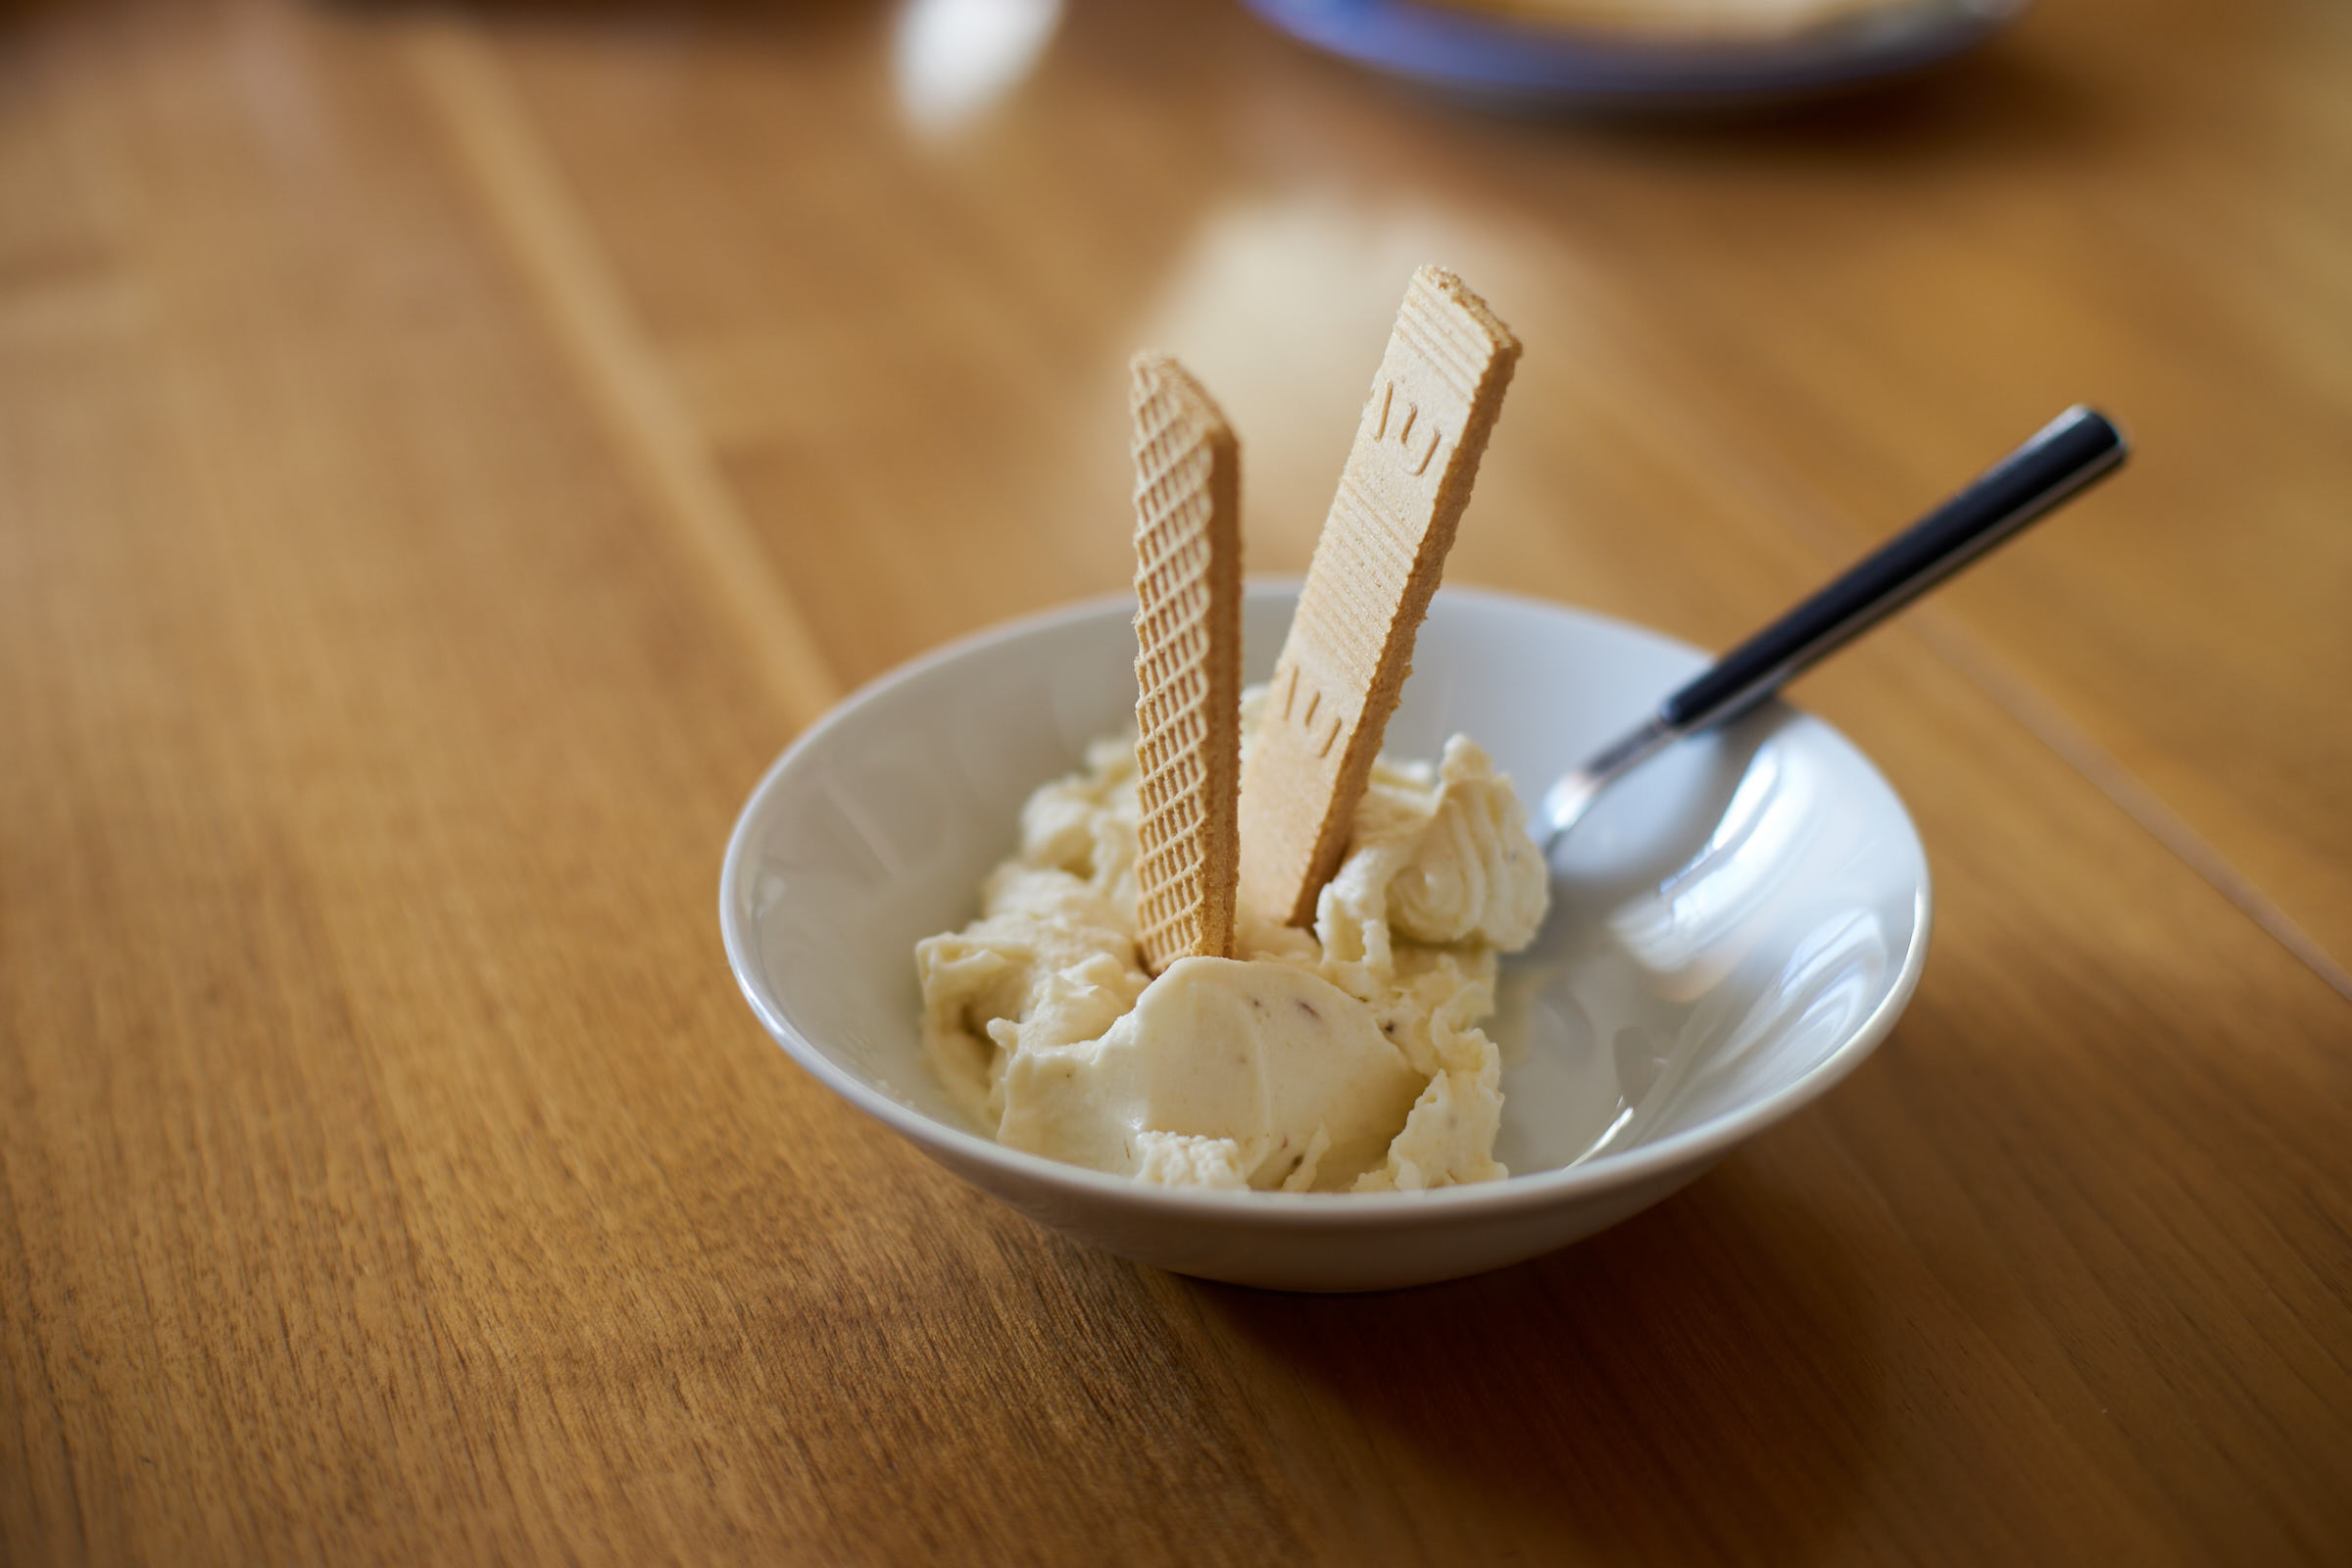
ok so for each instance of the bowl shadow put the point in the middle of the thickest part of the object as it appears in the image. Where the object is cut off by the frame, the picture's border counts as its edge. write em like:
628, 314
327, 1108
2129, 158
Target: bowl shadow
1698, 1380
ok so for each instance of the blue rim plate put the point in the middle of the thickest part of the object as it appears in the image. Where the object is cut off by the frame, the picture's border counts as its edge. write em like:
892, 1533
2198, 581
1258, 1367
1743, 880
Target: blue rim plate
1505, 59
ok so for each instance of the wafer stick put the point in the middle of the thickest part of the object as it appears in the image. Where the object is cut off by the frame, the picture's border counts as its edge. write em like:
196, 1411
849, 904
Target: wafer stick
1188, 665
1381, 551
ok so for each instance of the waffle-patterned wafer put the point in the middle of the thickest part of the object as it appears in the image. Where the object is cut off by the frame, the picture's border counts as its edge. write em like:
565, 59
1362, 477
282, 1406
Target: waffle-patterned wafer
1188, 665
1378, 561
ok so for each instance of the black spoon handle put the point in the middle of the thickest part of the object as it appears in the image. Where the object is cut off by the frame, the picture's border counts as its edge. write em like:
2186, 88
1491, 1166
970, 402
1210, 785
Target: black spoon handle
2071, 452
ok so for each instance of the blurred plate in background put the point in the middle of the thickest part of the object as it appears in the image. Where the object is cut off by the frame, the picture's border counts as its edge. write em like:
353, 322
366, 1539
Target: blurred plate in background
1576, 52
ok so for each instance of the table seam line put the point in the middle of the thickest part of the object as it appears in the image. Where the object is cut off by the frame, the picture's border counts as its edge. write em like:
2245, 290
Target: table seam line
2049, 722
553, 246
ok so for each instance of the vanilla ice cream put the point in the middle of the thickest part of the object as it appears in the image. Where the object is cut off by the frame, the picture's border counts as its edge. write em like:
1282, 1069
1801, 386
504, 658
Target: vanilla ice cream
1349, 1059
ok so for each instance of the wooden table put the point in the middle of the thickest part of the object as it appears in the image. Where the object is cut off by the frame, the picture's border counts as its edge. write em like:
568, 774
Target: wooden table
443, 459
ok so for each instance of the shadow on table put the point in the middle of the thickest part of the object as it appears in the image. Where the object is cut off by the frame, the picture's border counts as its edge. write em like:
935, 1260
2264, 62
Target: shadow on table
2001, 101
1702, 1373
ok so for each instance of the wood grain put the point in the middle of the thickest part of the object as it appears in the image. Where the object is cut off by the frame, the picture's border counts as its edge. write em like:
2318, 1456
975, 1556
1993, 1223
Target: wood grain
443, 460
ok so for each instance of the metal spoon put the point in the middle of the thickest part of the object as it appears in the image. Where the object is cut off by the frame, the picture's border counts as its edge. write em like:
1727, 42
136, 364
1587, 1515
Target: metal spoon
2070, 453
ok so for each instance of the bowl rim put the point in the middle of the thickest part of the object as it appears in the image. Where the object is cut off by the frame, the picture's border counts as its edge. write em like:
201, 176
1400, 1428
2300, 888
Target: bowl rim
1515, 1194
1522, 57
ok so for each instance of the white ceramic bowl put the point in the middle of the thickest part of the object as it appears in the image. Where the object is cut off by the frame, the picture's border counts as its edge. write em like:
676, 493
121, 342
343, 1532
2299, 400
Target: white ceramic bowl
1737, 925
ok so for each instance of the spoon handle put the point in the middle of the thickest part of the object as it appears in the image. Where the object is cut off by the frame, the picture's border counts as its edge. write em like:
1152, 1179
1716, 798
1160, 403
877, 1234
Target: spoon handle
2070, 451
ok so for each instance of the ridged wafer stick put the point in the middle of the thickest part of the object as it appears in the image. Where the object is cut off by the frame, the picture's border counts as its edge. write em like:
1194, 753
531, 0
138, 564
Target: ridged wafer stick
1188, 665
1381, 551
